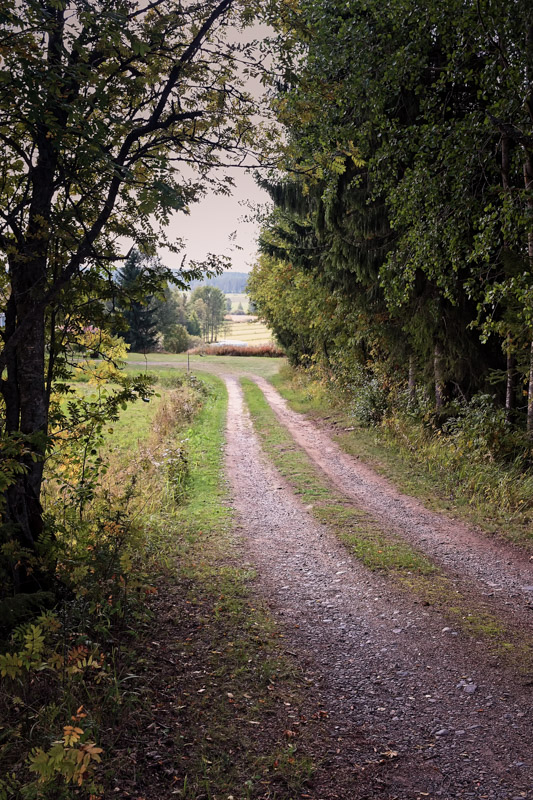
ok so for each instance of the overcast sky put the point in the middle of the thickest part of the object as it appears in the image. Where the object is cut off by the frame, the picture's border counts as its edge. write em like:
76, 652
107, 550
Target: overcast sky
211, 223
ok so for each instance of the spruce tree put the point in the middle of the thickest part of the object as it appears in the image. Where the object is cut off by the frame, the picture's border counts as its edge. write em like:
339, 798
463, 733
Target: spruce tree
139, 315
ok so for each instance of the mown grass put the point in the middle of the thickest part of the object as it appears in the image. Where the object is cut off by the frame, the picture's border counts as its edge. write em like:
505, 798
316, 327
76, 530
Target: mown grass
489, 494
251, 332
375, 547
238, 365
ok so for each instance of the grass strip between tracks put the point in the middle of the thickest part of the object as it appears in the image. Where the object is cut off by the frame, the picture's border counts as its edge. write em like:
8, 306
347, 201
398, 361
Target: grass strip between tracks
377, 548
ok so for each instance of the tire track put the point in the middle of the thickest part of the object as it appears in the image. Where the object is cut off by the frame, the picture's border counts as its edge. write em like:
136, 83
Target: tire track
501, 572
413, 712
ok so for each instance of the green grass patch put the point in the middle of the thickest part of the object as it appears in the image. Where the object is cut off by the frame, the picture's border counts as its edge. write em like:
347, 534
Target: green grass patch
160, 363
377, 549
303, 395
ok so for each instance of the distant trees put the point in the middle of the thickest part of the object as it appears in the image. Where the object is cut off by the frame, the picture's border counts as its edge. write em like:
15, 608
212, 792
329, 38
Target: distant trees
169, 318
228, 282
209, 304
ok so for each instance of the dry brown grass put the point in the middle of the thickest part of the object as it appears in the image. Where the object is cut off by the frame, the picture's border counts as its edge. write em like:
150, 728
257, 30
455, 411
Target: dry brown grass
266, 350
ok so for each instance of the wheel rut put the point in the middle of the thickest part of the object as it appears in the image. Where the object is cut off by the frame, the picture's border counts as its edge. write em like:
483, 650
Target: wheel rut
413, 711
501, 573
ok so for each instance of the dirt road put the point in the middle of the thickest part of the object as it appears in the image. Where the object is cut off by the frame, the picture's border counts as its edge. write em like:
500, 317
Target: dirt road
413, 710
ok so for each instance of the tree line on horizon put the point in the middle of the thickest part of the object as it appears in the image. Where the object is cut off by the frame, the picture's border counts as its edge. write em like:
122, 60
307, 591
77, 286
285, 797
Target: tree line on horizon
171, 319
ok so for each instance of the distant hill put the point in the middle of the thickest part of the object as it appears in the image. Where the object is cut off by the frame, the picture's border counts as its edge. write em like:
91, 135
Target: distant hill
228, 282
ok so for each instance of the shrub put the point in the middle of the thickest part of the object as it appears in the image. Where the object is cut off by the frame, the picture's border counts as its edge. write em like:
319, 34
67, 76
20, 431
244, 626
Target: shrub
480, 428
370, 402
178, 340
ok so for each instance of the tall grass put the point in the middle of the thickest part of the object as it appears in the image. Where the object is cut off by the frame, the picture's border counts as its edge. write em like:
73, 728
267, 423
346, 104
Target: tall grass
265, 350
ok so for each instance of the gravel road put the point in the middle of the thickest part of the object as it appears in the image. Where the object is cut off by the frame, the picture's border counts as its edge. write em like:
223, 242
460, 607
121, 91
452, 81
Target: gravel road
503, 575
415, 710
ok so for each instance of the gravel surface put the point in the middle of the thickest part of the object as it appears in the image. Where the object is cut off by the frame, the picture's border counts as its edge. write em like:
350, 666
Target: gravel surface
414, 709
503, 574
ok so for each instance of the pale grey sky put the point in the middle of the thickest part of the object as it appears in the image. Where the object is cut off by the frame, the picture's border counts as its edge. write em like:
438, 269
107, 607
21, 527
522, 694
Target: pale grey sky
211, 222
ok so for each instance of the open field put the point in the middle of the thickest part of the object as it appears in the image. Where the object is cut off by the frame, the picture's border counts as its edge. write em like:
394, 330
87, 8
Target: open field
168, 363
237, 298
250, 332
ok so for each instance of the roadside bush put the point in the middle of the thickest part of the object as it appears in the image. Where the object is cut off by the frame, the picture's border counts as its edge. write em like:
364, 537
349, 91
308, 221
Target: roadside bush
367, 399
370, 403
177, 340
480, 428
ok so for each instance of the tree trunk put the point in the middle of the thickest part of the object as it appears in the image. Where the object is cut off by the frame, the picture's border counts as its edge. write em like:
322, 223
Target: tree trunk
510, 392
528, 184
438, 369
530, 395
27, 407
412, 382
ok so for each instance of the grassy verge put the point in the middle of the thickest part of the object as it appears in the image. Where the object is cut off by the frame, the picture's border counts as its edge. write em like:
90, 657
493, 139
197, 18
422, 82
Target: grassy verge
234, 725
159, 674
488, 494
378, 549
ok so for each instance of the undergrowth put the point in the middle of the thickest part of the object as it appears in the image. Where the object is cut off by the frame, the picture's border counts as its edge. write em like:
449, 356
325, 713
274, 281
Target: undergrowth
63, 671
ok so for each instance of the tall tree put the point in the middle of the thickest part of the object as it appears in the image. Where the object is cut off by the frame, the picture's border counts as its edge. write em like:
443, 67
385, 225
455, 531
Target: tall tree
394, 117
101, 104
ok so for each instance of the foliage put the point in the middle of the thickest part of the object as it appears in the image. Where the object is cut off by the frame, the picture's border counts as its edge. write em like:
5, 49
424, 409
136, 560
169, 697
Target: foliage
104, 138
370, 402
403, 212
